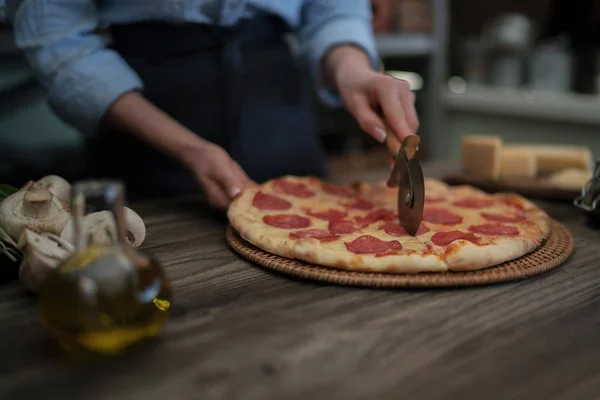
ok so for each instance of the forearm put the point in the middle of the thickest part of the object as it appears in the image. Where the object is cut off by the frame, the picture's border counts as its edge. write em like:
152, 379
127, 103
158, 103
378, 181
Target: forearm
335, 31
140, 118
344, 55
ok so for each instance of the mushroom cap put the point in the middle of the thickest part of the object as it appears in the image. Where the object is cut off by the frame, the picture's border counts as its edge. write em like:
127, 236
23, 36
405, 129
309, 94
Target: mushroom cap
100, 228
14, 220
59, 187
43, 252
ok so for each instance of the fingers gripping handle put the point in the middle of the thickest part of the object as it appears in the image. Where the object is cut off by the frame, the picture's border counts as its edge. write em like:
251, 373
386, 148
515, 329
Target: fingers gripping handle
392, 142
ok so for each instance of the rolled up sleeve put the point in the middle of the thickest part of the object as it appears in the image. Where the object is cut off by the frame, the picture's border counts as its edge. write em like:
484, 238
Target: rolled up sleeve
328, 23
80, 74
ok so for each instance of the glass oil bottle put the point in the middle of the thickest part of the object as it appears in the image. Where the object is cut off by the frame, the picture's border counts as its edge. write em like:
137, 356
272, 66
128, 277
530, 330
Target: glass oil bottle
104, 298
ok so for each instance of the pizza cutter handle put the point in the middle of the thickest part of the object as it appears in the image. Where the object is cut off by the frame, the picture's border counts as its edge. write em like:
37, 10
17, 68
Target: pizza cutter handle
393, 144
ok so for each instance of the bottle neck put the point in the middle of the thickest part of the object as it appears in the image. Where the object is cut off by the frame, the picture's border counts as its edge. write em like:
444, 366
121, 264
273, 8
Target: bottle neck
98, 211
116, 206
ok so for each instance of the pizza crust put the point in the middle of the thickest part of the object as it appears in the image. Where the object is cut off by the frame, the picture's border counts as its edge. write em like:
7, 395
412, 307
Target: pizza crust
468, 256
418, 255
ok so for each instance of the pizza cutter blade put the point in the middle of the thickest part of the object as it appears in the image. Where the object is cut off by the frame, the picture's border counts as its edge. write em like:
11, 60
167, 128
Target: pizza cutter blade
407, 176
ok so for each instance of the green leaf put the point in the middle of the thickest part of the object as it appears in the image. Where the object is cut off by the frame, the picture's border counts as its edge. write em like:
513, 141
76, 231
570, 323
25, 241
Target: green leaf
6, 239
16, 253
7, 244
7, 190
3, 249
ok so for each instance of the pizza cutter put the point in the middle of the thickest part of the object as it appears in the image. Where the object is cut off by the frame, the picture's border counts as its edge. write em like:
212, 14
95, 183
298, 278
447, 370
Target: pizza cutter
407, 176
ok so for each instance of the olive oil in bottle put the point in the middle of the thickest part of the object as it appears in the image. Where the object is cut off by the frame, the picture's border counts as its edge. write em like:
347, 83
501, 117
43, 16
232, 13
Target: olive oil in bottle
106, 296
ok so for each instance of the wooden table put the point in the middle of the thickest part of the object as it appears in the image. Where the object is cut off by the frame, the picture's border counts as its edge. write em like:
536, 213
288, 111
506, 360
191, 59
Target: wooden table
239, 332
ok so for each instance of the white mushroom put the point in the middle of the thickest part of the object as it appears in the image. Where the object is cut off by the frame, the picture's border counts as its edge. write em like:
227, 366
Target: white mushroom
37, 209
42, 253
99, 228
59, 187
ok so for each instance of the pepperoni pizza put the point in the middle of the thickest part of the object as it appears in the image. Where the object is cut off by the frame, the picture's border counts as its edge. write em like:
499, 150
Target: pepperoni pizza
355, 227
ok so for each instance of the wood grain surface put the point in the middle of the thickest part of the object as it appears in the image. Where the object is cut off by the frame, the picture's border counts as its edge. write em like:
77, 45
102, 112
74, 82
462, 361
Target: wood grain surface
239, 332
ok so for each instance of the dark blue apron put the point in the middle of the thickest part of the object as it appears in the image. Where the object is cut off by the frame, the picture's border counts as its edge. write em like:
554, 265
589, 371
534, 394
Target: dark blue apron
240, 88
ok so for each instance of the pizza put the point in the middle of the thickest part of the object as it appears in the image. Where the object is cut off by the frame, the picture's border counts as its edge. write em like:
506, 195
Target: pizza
355, 226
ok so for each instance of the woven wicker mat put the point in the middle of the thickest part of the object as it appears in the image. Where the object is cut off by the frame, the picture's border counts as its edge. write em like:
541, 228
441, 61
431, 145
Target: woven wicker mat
553, 252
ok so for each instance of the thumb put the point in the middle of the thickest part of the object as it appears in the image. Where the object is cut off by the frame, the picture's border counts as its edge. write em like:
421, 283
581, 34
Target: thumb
242, 176
229, 181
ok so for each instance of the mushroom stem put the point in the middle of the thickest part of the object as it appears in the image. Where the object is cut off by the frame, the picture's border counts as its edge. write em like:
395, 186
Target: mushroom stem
37, 203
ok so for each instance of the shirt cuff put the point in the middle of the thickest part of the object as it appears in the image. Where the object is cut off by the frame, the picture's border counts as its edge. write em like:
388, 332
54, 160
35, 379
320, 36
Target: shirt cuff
351, 31
82, 94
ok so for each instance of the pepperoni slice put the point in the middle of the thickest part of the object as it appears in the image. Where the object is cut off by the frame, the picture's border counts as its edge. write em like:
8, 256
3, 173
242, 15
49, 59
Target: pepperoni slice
394, 229
322, 234
338, 190
503, 218
368, 244
328, 215
441, 216
341, 227
380, 214
494, 229
293, 189
474, 202
287, 221
445, 238
264, 201
360, 204
514, 202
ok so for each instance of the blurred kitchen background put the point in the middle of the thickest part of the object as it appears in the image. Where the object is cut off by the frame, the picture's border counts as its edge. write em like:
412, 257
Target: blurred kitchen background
527, 70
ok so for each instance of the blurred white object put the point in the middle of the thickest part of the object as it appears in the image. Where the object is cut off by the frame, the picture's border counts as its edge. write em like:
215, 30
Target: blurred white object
510, 32
456, 84
551, 66
507, 41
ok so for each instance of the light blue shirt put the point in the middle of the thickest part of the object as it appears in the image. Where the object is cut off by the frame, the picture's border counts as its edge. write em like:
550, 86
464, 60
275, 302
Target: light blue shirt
83, 77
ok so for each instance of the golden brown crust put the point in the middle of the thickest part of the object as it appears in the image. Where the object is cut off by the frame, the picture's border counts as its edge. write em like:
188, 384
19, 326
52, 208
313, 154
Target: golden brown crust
419, 254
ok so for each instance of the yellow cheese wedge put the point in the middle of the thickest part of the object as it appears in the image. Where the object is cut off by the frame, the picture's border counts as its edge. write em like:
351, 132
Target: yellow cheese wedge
554, 158
481, 156
517, 164
571, 178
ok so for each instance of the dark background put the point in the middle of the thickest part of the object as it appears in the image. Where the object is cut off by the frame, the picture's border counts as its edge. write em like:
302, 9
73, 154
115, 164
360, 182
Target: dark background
33, 143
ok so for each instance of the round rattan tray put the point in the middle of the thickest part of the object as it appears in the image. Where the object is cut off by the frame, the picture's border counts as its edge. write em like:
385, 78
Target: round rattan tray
555, 250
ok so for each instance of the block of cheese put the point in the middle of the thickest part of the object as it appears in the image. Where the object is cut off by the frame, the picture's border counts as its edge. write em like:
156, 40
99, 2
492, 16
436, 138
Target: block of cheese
517, 164
481, 156
554, 158
571, 178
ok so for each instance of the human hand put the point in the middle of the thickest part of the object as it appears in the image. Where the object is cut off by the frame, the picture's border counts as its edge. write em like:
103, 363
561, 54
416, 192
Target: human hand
367, 94
219, 175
